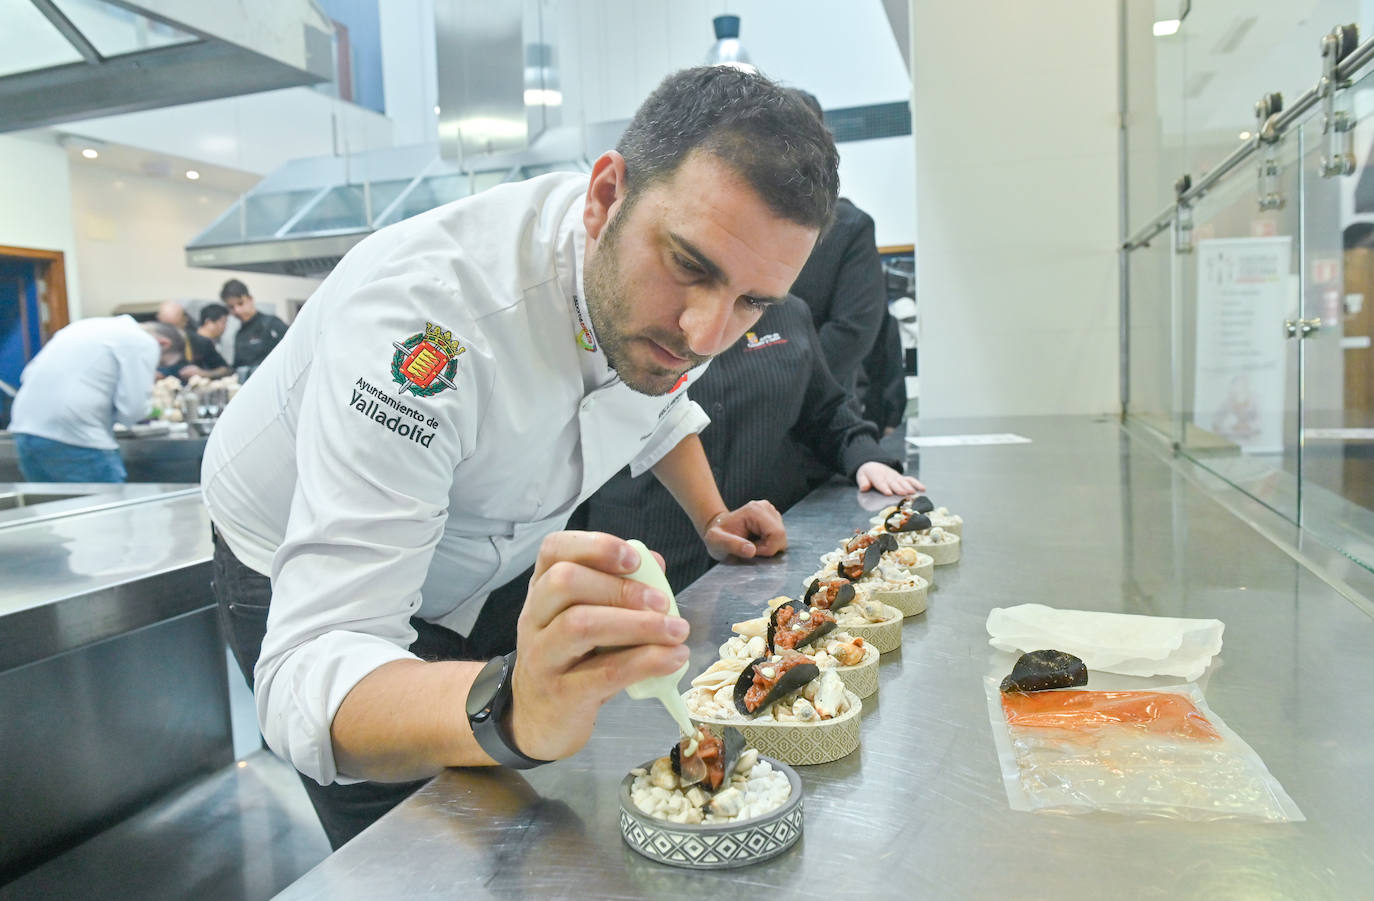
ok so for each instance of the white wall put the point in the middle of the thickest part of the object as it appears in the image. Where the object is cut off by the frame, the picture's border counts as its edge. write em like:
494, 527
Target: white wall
1016, 207
614, 52
130, 234
34, 208
408, 69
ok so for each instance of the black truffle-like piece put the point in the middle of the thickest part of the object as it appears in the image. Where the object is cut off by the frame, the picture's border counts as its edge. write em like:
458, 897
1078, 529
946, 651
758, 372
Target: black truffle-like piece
1039, 670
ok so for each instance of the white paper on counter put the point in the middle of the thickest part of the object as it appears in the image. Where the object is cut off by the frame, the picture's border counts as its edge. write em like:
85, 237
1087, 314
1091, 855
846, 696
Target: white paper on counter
1110, 642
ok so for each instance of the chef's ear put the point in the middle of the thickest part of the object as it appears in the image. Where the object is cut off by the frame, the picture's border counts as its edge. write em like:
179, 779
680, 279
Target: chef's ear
605, 193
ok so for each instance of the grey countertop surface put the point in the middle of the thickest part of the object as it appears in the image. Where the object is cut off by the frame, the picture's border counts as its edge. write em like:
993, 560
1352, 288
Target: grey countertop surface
110, 559
1085, 517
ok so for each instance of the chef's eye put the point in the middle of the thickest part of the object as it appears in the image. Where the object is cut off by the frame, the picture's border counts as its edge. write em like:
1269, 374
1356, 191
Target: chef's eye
754, 303
687, 265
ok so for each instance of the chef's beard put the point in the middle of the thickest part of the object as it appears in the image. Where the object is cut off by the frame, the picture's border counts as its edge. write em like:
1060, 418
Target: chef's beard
609, 305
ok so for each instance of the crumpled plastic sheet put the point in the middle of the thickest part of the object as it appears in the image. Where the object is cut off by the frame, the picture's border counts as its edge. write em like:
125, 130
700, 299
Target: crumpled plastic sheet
1160, 752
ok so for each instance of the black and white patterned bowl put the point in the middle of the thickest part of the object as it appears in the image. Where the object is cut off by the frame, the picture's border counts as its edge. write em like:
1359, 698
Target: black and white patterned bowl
712, 846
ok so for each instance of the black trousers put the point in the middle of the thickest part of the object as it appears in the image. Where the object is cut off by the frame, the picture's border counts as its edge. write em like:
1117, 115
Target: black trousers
244, 597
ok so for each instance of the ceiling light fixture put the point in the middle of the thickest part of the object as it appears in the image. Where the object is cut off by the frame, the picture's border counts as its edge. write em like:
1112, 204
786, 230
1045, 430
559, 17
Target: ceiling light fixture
1245, 136
192, 174
727, 51
90, 153
1166, 27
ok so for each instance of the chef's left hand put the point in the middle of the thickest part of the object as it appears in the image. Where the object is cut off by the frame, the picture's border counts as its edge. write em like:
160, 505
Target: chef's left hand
753, 530
875, 476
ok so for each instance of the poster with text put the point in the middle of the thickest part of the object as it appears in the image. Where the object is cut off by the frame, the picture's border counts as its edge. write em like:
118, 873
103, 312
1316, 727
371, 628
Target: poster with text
1243, 291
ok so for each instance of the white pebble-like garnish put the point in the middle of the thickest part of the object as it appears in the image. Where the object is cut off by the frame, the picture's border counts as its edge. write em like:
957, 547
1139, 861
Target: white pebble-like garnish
768, 672
804, 616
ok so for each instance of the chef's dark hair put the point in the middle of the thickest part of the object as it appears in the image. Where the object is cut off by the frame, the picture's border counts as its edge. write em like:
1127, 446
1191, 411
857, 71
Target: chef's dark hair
213, 312
233, 288
765, 132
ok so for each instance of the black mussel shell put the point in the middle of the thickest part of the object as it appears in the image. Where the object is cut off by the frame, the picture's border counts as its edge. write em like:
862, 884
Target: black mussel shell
842, 597
873, 554
696, 768
791, 680
915, 522
920, 504
1041, 670
734, 747
798, 606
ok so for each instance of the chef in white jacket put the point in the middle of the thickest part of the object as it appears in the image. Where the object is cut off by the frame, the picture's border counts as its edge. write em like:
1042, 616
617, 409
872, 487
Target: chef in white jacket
459, 383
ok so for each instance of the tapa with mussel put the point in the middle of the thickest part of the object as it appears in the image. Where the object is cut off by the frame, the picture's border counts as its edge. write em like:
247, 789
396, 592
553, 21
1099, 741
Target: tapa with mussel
705, 759
766, 679
794, 625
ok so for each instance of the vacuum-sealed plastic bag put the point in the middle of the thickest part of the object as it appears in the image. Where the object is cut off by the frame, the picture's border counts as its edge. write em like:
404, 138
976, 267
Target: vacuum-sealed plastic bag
1160, 752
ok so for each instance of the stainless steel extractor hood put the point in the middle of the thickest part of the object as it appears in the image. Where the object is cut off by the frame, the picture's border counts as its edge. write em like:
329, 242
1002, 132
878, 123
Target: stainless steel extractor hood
499, 109
62, 60
304, 217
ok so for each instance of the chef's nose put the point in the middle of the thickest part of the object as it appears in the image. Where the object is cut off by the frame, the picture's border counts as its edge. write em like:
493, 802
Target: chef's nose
704, 321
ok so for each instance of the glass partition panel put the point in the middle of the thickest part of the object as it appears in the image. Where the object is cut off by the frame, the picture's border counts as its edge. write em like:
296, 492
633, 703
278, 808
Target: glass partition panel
1150, 336
29, 41
431, 192
257, 216
1338, 322
114, 31
346, 207
1237, 370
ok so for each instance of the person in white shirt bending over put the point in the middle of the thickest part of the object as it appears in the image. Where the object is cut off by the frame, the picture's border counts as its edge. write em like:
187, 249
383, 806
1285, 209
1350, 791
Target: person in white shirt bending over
451, 392
90, 375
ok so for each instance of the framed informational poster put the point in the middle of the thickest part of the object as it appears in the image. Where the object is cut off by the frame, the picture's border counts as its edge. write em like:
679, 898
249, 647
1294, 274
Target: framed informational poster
1243, 290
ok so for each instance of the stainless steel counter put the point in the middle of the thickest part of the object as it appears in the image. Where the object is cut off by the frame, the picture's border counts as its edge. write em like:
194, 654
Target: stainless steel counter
113, 687
1084, 517
174, 457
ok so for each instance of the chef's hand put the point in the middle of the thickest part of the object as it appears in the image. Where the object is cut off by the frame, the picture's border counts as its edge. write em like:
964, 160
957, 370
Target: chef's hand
875, 476
190, 370
753, 530
585, 633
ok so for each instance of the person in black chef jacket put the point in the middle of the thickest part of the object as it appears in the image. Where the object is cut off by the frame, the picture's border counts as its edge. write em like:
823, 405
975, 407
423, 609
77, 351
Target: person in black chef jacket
258, 332
767, 394
206, 359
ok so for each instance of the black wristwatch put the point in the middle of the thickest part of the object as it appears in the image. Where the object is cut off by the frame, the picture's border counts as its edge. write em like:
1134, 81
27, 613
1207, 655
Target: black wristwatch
488, 700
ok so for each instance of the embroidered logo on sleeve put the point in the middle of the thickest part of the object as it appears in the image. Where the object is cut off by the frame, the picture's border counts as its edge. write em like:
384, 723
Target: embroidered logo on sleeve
754, 342
425, 363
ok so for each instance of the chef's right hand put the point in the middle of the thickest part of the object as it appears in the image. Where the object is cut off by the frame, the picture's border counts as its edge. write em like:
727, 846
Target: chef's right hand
586, 633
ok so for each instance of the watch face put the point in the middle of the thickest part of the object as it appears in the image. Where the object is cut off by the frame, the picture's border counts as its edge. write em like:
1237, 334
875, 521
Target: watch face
484, 688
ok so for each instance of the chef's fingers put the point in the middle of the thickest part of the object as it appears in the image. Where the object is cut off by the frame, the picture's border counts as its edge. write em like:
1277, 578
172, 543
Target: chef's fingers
862, 480
602, 675
765, 525
584, 628
565, 584
722, 543
594, 549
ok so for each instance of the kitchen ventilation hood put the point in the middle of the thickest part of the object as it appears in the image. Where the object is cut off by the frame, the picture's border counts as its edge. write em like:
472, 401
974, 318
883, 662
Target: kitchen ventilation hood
304, 217
62, 60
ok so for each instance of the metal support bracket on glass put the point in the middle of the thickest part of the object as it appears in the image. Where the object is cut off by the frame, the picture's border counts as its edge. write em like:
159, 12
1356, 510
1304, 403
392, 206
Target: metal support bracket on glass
1183, 220
1338, 124
1267, 139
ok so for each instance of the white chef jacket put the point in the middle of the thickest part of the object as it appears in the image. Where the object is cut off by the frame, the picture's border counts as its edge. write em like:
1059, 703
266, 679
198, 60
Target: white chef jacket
91, 374
368, 503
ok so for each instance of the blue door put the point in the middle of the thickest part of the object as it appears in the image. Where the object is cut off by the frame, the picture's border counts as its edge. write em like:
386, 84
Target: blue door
20, 334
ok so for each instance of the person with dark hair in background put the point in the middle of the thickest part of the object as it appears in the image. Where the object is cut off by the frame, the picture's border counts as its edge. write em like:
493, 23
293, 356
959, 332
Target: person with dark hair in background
258, 332
90, 375
205, 357
771, 392
459, 382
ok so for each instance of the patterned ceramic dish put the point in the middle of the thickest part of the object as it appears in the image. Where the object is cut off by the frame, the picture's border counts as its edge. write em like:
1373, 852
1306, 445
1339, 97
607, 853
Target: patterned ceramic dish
796, 743
717, 845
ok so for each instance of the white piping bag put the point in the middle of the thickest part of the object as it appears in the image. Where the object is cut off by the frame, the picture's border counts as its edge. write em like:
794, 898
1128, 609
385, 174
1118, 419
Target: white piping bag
662, 687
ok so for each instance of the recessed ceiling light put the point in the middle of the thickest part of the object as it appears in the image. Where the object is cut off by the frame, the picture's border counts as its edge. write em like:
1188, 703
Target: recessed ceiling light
436, 109
90, 153
192, 174
1166, 27
1245, 136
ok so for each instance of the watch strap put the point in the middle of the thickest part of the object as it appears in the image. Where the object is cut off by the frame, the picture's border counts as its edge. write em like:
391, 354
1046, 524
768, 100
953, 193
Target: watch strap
493, 735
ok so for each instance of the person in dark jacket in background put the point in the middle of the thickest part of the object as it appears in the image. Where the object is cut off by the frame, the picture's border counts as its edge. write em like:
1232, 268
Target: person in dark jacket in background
768, 395
259, 332
843, 284
206, 359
